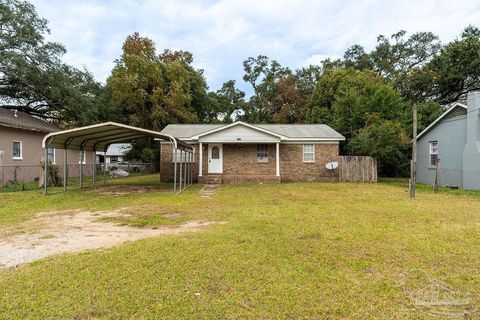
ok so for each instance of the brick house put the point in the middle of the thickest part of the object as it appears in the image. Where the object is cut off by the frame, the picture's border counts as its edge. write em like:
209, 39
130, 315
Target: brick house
242, 152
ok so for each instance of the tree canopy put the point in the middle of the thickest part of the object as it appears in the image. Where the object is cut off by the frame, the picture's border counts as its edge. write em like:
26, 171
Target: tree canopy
32, 76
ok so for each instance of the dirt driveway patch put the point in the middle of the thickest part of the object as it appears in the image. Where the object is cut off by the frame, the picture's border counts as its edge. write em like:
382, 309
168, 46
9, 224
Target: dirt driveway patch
120, 190
51, 233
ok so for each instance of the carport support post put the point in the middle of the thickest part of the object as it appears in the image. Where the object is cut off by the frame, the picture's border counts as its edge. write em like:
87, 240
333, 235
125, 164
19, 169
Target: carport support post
45, 177
94, 167
191, 167
65, 169
105, 165
180, 168
186, 165
82, 156
175, 170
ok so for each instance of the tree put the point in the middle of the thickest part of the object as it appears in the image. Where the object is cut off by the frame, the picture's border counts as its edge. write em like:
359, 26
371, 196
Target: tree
288, 105
33, 78
386, 140
456, 69
262, 73
153, 90
357, 104
230, 101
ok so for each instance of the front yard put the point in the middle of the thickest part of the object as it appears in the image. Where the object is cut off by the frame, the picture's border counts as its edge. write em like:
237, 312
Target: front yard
301, 250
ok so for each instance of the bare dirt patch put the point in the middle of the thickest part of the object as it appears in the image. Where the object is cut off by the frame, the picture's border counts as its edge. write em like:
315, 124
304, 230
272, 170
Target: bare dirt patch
120, 190
50, 233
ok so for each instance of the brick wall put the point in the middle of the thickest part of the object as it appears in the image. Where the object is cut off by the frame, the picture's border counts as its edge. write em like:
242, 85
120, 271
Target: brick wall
166, 165
241, 160
292, 167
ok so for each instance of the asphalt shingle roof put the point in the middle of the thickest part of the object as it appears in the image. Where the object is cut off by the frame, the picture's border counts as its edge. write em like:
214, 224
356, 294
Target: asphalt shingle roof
303, 131
24, 121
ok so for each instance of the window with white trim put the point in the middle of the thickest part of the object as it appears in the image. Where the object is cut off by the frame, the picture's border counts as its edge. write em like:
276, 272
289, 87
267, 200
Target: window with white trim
308, 153
51, 155
262, 153
433, 153
17, 150
183, 156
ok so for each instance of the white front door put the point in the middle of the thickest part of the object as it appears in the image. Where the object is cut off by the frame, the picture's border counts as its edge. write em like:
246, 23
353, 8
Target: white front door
215, 158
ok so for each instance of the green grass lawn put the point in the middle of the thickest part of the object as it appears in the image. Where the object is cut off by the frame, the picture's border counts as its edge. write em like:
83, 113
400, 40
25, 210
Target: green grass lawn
300, 250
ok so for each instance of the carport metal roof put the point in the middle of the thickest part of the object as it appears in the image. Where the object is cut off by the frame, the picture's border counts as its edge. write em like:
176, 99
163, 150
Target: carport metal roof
99, 136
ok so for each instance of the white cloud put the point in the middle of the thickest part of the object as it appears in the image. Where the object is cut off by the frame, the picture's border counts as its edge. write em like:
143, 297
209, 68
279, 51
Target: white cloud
221, 34
316, 59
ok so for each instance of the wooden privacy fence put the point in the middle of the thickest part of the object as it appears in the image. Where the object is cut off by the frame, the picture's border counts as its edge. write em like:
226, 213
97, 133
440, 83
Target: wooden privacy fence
357, 169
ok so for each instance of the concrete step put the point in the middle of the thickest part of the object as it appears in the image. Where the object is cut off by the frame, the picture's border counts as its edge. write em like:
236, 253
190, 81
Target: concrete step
212, 179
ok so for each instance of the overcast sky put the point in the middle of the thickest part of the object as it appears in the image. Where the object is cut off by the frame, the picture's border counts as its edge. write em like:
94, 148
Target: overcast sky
222, 34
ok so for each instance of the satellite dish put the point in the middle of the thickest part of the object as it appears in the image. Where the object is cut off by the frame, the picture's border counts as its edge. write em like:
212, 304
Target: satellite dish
331, 165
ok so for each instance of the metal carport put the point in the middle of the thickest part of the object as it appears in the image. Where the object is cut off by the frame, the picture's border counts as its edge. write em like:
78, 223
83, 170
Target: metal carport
98, 137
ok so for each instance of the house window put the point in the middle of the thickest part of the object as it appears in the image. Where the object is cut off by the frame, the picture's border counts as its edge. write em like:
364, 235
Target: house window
17, 150
183, 156
433, 152
51, 155
113, 159
308, 153
262, 153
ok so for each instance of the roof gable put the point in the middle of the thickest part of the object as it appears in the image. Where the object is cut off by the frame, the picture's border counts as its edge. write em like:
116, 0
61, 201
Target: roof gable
455, 110
236, 124
238, 133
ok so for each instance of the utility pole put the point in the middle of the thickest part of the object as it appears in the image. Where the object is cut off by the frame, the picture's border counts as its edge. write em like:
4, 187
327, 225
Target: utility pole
413, 163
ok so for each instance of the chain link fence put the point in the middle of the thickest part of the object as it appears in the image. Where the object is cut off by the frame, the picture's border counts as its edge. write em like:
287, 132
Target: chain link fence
30, 177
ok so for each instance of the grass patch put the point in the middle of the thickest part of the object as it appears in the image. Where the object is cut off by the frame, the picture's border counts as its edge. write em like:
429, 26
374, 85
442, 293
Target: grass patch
300, 250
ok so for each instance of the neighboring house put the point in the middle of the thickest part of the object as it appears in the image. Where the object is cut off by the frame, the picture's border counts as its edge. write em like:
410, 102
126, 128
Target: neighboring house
242, 152
454, 139
115, 153
21, 149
